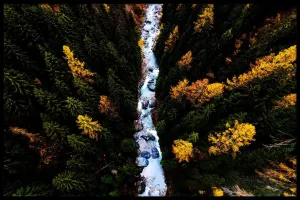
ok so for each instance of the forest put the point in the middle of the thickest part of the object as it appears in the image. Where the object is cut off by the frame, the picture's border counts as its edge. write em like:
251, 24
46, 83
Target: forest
225, 109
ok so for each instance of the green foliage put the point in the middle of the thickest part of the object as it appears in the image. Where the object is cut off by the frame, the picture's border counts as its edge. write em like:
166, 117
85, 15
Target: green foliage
115, 193
33, 190
107, 179
69, 181
78, 163
128, 145
79, 143
169, 165
55, 131
75, 106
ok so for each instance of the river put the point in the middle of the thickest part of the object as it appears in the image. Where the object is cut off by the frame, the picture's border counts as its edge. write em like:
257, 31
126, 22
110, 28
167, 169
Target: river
152, 174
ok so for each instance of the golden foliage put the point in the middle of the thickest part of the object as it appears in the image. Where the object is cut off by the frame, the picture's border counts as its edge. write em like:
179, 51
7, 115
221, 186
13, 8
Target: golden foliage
286, 101
105, 105
283, 176
185, 60
205, 19
76, 66
198, 92
217, 192
88, 127
194, 5
266, 66
173, 37
183, 150
53, 7
32, 137
106, 7
141, 43
232, 139
179, 90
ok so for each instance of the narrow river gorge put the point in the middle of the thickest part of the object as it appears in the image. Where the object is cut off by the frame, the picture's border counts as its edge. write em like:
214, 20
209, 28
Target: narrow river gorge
153, 180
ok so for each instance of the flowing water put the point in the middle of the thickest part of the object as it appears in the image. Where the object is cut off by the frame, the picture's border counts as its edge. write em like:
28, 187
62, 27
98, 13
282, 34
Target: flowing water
152, 174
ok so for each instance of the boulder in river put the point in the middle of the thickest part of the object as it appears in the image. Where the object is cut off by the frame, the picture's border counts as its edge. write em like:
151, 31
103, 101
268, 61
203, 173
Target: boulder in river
138, 125
155, 153
151, 104
145, 154
150, 69
145, 104
142, 162
151, 86
148, 137
148, 22
137, 145
141, 188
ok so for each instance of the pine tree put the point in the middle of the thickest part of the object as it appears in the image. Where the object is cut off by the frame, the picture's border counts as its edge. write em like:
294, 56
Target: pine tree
74, 106
69, 181
79, 143
55, 131
32, 190
128, 145
48, 100
77, 162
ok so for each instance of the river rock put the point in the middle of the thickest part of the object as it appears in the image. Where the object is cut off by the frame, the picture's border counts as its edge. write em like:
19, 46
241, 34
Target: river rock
148, 137
148, 22
145, 104
137, 145
151, 104
142, 162
141, 188
155, 153
138, 125
150, 69
145, 154
151, 86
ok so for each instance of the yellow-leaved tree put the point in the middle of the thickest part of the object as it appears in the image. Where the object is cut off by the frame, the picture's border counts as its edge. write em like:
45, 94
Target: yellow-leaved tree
198, 92
205, 19
88, 127
173, 37
76, 66
106, 7
232, 139
267, 66
217, 192
286, 101
178, 91
105, 106
183, 150
283, 176
141, 43
185, 60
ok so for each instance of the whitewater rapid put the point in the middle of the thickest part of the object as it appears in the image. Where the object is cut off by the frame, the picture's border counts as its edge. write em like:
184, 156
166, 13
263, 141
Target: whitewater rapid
152, 174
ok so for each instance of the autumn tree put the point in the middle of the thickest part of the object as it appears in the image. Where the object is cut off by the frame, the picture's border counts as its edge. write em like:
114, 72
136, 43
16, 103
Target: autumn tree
205, 19
185, 60
141, 43
232, 139
283, 176
177, 92
173, 37
217, 192
106, 7
286, 101
105, 106
183, 150
76, 66
266, 66
88, 127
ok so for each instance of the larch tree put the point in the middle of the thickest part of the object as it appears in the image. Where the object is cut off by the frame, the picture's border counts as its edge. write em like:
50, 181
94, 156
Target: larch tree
282, 175
76, 66
105, 106
286, 101
205, 19
185, 60
229, 141
89, 127
173, 37
183, 150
